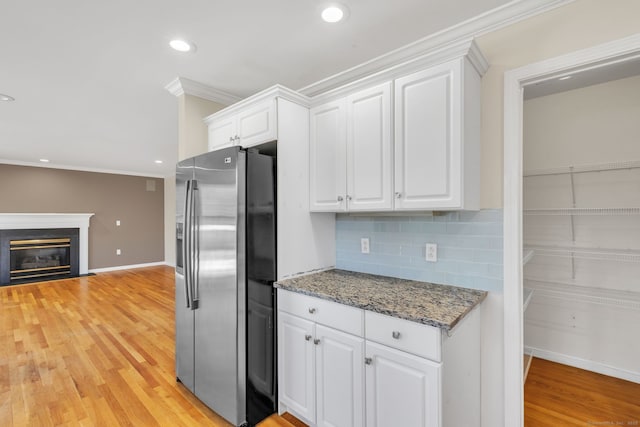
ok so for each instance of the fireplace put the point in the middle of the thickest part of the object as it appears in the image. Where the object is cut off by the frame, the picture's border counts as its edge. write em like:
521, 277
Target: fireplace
38, 254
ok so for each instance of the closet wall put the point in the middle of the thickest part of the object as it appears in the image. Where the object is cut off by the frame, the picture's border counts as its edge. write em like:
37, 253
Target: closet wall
582, 227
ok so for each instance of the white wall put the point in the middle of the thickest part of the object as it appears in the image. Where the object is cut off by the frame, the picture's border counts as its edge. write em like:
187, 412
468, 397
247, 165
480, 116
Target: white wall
596, 124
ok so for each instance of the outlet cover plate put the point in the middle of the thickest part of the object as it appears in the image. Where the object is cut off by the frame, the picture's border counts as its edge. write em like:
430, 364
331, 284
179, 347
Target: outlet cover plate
431, 252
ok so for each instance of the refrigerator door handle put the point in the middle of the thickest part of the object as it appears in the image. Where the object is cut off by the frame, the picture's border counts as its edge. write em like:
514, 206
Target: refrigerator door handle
195, 284
186, 244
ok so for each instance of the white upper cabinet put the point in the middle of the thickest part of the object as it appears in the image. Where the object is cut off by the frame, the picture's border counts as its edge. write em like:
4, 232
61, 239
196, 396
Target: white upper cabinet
437, 131
412, 144
222, 133
369, 150
254, 125
328, 158
351, 153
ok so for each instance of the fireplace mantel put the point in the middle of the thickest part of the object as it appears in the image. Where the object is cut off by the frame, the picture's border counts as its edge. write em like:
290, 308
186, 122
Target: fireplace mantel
14, 221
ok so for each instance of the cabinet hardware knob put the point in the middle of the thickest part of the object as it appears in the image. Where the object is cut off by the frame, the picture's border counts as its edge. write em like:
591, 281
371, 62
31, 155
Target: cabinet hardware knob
348, 197
340, 198
237, 137
307, 337
398, 195
230, 139
368, 360
312, 310
316, 341
395, 334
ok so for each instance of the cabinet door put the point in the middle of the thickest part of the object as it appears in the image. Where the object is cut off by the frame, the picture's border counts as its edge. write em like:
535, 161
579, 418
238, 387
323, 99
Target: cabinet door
401, 389
296, 365
339, 378
257, 124
328, 158
369, 149
428, 156
222, 133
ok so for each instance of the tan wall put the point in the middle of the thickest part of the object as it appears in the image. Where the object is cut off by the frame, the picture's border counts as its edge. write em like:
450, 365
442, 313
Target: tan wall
595, 124
578, 25
192, 132
192, 140
111, 197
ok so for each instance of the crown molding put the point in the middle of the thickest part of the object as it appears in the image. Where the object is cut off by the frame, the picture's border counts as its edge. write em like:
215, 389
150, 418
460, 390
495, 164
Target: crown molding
460, 49
451, 37
181, 85
276, 91
83, 169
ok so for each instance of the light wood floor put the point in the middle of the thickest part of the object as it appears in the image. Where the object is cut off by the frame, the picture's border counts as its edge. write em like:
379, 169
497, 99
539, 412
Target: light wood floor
560, 395
95, 351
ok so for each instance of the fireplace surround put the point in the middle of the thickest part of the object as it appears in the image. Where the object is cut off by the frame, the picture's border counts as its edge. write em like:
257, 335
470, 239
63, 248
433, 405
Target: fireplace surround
31, 234
39, 254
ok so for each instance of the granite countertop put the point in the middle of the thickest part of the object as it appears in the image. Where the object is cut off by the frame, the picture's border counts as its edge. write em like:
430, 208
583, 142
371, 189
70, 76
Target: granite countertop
442, 306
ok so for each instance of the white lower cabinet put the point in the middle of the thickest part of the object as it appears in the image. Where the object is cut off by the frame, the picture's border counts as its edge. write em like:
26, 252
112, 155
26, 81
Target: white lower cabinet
402, 389
339, 366
296, 361
339, 378
321, 375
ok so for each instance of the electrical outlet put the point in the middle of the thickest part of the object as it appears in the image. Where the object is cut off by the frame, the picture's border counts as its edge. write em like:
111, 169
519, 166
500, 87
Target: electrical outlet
364, 245
118, 252
431, 252
117, 223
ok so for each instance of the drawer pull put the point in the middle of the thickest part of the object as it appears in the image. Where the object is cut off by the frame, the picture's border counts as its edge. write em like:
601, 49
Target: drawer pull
312, 310
307, 337
368, 360
316, 341
395, 335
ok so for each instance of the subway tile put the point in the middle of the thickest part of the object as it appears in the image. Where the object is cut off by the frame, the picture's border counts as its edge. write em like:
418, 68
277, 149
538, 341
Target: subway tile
495, 271
488, 256
469, 252
454, 253
386, 226
412, 250
487, 215
410, 227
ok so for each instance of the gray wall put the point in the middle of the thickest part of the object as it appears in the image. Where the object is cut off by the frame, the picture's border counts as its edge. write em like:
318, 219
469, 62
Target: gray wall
111, 197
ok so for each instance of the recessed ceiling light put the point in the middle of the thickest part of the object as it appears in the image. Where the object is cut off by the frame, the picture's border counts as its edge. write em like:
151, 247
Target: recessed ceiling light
182, 45
565, 78
159, 162
4, 97
44, 160
333, 13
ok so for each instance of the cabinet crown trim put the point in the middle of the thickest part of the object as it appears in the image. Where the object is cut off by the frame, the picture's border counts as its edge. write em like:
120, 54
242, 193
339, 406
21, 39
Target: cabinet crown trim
458, 49
180, 86
276, 91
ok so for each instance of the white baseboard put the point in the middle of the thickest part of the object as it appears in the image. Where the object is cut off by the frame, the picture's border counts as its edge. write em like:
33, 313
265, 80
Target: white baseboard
126, 267
588, 365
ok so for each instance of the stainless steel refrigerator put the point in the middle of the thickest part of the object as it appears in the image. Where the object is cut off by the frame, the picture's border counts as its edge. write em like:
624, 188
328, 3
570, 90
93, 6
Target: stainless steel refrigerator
225, 269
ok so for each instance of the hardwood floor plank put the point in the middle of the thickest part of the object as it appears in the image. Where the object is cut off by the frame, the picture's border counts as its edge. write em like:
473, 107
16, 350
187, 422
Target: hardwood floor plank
96, 351
560, 395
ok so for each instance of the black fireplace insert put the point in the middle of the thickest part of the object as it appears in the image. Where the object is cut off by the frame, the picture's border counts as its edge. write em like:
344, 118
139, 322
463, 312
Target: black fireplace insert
38, 254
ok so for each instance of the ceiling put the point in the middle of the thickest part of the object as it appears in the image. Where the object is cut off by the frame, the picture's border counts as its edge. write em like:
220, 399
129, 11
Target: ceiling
593, 75
88, 77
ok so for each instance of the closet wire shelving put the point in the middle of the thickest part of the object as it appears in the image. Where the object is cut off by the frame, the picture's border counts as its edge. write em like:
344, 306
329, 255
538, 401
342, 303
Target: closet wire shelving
573, 251
576, 252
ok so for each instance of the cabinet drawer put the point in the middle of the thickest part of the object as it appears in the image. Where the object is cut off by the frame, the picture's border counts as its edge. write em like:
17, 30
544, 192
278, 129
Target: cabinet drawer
329, 313
421, 340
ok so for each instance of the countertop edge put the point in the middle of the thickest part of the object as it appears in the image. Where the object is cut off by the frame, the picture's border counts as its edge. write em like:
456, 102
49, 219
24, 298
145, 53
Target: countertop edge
425, 321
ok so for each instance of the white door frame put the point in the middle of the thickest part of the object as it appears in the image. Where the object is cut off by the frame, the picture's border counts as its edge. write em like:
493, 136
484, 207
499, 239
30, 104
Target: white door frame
514, 82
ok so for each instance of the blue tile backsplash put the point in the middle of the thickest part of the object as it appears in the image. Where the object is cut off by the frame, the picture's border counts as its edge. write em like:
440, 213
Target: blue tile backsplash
469, 247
